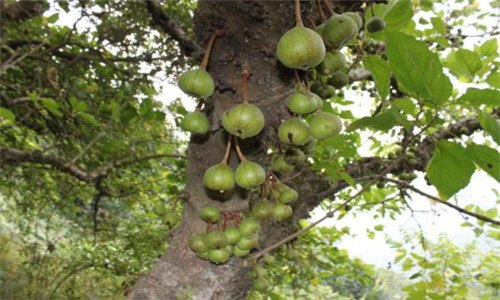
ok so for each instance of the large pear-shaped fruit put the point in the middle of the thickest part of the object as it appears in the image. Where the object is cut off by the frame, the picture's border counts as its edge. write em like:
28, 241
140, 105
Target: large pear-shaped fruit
249, 174
339, 79
375, 24
324, 125
198, 243
262, 209
300, 48
210, 214
218, 256
279, 163
338, 30
244, 120
216, 239
282, 211
261, 284
195, 122
334, 61
249, 227
219, 177
293, 131
356, 18
303, 102
197, 83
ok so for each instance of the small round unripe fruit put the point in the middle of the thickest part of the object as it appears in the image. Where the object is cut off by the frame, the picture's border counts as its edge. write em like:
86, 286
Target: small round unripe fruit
316, 86
197, 83
218, 256
324, 125
170, 219
282, 211
292, 254
195, 122
249, 227
240, 252
243, 120
248, 243
338, 30
202, 255
295, 156
293, 131
303, 102
249, 174
339, 79
356, 18
261, 284
375, 24
334, 61
216, 239
327, 92
219, 177
262, 209
279, 164
233, 235
199, 243
300, 48
269, 260
210, 214
288, 195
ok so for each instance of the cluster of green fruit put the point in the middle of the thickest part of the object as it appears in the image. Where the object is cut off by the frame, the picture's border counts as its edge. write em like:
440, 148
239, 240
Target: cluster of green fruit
218, 246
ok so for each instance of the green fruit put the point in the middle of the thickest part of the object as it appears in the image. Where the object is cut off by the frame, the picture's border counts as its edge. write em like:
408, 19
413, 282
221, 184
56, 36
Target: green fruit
210, 214
240, 252
260, 271
218, 256
303, 102
170, 219
327, 92
233, 235
282, 211
279, 164
324, 125
300, 48
356, 18
262, 209
202, 255
219, 177
160, 209
199, 243
216, 239
338, 30
249, 174
249, 227
295, 156
269, 260
375, 24
316, 86
334, 61
288, 195
197, 83
248, 243
339, 79
229, 248
319, 29
292, 254
261, 284
243, 120
195, 122
293, 131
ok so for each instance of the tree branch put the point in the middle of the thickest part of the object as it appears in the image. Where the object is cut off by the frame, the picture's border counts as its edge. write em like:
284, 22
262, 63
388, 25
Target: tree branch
162, 20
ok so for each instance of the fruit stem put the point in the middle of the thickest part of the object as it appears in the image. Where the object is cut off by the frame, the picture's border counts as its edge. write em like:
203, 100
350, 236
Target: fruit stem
298, 17
244, 83
330, 9
210, 45
371, 9
320, 9
238, 150
228, 151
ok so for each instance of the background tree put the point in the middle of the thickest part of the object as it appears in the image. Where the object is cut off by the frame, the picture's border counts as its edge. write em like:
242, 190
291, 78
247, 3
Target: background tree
92, 171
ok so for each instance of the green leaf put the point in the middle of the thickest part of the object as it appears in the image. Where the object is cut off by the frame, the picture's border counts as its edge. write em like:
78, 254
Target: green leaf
476, 97
489, 48
89, 118
439, 25
52, 106
6, 114
464, 63
406, 105
491, 125
486, 158
450, 168
396, 13
383, 121
417, 69
381, 73
77, 104
494, 80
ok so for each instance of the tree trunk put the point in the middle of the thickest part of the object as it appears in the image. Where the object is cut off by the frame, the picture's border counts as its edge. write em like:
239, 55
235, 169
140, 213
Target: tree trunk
252, 29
